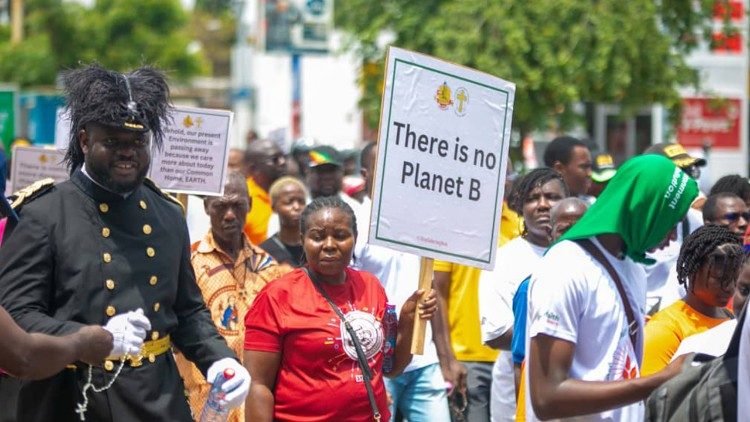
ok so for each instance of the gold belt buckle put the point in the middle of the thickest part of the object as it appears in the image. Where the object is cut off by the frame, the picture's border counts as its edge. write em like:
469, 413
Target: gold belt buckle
136, 361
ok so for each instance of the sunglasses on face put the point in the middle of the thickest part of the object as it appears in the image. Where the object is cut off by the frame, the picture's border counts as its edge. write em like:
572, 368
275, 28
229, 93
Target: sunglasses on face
734, 216
274, 159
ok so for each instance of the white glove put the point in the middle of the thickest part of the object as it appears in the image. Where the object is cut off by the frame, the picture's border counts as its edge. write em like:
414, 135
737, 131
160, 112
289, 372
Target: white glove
128, 331
235, 388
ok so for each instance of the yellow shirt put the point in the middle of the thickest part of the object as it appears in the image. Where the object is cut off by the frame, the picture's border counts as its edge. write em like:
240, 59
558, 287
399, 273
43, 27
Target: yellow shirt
256, 223
511, 224
666, 330
521, 401
463, 313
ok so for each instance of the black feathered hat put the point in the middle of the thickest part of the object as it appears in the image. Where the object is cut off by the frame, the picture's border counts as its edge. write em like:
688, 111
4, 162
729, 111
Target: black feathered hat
136, 101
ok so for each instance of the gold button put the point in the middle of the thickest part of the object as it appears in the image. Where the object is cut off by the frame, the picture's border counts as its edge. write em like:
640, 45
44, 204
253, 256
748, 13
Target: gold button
150, 252
151, 358
152, 281
156, 307
107, 257
108, 365
103, 207
105, 232
155, 335
110, 284
143, 205
146, 229
111, 310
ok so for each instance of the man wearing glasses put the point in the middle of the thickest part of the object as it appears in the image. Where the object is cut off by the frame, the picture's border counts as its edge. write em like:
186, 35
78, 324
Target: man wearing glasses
265, 163
728, 210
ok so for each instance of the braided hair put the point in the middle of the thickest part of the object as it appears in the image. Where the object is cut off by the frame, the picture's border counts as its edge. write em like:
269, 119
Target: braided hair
532, 180
93, 94
733, 183
715, 246
327, 202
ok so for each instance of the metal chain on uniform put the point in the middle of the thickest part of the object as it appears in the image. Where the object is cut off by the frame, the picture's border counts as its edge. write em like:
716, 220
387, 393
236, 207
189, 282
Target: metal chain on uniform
82, 407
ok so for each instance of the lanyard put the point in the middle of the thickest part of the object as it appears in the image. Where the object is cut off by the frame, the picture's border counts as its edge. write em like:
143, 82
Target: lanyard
360, 353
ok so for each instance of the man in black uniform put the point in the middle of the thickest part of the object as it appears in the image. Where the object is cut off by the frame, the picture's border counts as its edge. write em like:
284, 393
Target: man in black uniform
109, 241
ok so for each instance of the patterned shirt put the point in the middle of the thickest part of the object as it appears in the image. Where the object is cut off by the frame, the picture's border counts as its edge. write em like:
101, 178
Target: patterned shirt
229, 288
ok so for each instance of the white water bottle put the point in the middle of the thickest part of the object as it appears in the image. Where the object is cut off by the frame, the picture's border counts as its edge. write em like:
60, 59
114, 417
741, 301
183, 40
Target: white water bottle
213, 411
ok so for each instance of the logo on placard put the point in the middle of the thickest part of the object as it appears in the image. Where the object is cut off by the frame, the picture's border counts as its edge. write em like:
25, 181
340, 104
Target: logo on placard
443, 96
461, 102
189, 122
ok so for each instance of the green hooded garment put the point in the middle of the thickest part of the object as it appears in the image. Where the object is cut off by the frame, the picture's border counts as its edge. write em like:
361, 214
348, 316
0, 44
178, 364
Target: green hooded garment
647, 197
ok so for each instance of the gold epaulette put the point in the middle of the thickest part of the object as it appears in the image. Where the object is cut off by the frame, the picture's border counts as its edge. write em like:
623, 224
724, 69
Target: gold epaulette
31, 191
150, 183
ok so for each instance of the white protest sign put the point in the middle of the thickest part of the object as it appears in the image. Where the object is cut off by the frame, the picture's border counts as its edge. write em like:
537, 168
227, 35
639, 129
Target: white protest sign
193, 158
31, 164
442, 152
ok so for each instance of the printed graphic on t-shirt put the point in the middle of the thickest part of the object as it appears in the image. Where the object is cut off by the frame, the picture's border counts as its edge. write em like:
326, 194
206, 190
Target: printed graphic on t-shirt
553, 320
624, 365
369, 333
225, 312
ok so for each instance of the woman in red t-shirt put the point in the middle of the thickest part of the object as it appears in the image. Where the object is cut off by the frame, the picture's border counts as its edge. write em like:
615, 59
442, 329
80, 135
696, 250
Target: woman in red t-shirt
302, 361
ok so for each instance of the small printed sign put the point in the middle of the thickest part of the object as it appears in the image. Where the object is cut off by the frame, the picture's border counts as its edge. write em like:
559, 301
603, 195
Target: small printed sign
193, 158
31, 164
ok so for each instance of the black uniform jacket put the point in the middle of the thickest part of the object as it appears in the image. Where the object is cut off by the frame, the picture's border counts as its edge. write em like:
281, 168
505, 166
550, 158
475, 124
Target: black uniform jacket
81, 254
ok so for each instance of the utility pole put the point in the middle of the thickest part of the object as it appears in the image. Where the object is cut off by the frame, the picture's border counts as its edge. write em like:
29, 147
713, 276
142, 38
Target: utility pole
16, 21
242, 93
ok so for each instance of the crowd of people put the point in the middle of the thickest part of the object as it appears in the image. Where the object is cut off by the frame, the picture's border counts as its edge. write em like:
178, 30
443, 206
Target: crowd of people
606, 282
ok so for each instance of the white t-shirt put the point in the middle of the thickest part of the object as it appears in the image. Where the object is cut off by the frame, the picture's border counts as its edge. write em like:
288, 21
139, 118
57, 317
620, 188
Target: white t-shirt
515, 261
713, 342
573, 298
398, 272
663, 287
198, 221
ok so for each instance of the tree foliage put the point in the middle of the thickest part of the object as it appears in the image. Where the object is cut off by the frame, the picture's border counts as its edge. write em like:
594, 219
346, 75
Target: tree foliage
215, 31
119, 34
214, 7
557, 52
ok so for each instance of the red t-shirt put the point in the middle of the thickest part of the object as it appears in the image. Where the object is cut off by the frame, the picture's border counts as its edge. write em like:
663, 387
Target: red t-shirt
319, 378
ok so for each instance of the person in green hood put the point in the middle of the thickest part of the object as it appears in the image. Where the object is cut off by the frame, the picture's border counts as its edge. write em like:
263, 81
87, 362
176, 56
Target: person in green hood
585, 332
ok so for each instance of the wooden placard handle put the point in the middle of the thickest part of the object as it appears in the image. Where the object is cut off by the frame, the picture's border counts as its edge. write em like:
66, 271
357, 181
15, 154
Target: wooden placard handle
420, 325
183, 198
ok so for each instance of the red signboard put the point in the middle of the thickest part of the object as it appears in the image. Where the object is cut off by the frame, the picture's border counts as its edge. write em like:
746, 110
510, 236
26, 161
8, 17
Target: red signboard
723, 43
710, 121
736, 10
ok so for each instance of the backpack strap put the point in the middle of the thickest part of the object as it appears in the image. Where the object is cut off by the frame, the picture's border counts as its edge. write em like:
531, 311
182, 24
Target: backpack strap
595, 252
733, 350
